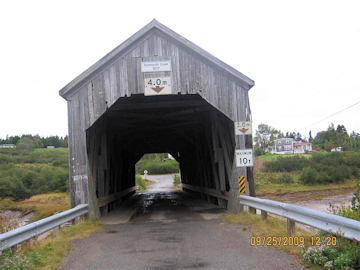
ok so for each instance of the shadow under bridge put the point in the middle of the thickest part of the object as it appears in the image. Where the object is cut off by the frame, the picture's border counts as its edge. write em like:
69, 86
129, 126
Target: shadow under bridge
196, 134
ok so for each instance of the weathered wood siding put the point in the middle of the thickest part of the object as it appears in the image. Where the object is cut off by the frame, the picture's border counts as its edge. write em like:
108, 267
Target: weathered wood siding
90, 140
189, 75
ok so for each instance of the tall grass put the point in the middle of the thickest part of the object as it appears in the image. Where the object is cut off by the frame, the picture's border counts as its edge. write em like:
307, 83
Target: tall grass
142, 183
48, 253
43, 205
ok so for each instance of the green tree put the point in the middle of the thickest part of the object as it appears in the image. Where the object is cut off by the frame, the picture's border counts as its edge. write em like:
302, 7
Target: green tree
332, 138
25, 143
265, 135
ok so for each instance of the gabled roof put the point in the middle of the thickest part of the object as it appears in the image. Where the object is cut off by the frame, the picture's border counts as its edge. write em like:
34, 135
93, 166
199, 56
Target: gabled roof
160, 28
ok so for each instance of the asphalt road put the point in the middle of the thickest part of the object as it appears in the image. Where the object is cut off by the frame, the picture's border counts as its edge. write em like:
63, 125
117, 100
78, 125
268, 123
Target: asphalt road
172, 230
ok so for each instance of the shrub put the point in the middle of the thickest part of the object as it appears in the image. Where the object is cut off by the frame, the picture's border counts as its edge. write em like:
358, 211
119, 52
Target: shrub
272, 166
355, 171
341, 173
344, 211
285, 178
286, 164
259, 151
4, 159
140, 182
355, 202
162, 167
309, 176
176, 180
30, 172
352, 211
325, 177
343, 255
332, 159
353, 159
14, 260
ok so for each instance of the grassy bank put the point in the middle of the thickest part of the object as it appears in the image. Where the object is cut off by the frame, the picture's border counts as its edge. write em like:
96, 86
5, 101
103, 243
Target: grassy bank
42, 206
317, 250
269, 228
281, 175
142, 183
49, 253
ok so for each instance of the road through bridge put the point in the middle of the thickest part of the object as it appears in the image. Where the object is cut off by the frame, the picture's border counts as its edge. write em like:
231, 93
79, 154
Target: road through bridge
165, 229
157, 92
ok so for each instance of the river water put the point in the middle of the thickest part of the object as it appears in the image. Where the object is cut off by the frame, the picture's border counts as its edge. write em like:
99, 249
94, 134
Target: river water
324, 204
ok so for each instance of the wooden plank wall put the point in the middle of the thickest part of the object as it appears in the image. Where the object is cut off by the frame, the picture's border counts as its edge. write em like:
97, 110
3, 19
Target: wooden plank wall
189, 75
210, 164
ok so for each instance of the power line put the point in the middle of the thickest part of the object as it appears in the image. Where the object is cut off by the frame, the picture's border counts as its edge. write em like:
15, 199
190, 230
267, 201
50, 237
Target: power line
331, 116
327, 84
317, 69
327, 59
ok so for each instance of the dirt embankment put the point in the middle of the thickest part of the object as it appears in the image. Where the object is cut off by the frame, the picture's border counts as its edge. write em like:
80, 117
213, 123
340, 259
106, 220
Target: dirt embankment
14, 219
314, 195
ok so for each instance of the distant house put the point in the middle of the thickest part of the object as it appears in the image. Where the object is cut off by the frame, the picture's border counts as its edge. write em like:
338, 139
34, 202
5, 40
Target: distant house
283, 146
337, 149
289, 145
270, 149
7, 145
302, 147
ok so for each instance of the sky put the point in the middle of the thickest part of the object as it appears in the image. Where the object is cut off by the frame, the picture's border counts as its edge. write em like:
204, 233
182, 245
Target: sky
304, 56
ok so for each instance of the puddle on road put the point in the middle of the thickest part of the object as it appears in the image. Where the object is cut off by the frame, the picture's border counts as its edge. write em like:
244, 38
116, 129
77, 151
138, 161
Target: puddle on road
112, 232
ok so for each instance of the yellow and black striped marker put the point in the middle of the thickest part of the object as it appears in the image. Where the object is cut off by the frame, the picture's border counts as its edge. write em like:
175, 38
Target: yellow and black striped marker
242, 184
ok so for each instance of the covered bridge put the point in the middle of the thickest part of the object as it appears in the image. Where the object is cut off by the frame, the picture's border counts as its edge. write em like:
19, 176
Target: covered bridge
156, 92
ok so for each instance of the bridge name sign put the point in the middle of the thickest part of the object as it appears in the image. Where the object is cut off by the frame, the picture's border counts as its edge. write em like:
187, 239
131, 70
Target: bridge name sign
155, 66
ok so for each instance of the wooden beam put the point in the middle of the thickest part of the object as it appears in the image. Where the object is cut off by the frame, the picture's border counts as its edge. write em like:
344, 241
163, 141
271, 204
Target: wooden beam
158, 105
209, 191
221, 170
103, 201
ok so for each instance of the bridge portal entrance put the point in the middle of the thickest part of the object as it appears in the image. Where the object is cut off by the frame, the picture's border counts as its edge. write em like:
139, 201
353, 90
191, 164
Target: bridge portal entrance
114, 121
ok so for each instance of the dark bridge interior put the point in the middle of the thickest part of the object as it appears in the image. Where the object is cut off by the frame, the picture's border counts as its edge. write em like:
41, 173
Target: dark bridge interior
196, 134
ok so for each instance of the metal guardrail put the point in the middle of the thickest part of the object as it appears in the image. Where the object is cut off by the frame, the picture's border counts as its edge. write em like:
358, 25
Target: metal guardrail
14, 237
327, 222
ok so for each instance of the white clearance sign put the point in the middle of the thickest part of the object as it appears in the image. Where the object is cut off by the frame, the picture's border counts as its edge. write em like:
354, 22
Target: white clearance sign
157, 86
155, 66
243, 128
244, 158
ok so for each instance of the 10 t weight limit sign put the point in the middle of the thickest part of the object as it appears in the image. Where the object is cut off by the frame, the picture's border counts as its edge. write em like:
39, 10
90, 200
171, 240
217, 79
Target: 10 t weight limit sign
244, 158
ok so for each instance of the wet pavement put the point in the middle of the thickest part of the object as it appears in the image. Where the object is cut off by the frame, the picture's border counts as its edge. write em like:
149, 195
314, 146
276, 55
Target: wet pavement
172, 230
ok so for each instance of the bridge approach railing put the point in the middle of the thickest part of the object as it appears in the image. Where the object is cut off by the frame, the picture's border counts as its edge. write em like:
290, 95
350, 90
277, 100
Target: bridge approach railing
14, 237
349, 228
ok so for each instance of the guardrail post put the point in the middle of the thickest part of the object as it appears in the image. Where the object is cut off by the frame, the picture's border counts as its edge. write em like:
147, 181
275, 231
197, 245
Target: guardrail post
264, 215
291, 227
252, 210
56, 231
